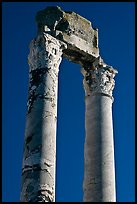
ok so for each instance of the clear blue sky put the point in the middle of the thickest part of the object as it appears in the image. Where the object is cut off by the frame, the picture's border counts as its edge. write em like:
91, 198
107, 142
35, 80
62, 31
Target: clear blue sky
115, 22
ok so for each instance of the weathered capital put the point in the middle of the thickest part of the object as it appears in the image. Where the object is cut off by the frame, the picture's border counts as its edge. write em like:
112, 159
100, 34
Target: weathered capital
45, 56
99, 78
45, 50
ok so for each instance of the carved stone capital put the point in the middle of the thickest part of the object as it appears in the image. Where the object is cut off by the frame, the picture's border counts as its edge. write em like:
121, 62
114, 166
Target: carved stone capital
44, 51
44, 60
99, 78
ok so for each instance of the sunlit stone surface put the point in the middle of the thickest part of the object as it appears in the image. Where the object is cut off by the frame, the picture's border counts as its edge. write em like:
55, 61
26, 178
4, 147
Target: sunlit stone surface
62, 33
99, 169
38, 173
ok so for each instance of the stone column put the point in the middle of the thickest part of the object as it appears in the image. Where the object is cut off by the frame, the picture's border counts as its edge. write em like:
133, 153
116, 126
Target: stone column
38, 170
99, 172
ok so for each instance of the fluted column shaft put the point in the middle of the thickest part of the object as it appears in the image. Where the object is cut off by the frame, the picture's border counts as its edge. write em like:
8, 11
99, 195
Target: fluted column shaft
99, 168
38, 170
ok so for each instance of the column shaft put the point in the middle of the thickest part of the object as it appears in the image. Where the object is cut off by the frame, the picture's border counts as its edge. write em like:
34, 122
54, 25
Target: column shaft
38, 170
99, 179
99, 168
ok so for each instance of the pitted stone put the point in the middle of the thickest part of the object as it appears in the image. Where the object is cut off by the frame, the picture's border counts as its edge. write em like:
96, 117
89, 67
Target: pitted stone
73, 29
99, 78
40, 135
68, 34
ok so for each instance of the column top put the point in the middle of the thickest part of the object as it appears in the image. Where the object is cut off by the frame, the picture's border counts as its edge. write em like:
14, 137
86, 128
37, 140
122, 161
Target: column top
71, 28
99, 78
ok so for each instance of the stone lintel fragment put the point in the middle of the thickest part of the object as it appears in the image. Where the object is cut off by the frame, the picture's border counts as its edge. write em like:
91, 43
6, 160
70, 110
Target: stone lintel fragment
73, 29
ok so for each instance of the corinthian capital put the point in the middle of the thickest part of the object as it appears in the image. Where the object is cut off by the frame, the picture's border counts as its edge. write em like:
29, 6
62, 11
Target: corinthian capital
99, 78
44, 51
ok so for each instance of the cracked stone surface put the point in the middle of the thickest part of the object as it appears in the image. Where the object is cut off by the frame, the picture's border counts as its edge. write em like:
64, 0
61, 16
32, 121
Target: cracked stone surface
99, 168
63, 33
98, 78
73, 29
38, 169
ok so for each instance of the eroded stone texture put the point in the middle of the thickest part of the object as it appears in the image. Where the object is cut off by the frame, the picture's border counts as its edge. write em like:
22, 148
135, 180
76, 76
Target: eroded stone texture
99, 169
98, 78
73, 29
38, 170
61, 32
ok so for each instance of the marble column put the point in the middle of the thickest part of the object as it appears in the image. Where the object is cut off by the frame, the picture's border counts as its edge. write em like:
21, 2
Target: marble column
99, 167
38, 170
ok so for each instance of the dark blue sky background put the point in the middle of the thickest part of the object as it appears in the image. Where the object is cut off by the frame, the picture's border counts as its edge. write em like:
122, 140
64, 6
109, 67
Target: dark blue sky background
115, 22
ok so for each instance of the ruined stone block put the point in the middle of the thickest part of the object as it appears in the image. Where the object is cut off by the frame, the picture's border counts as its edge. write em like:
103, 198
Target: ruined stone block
73, 29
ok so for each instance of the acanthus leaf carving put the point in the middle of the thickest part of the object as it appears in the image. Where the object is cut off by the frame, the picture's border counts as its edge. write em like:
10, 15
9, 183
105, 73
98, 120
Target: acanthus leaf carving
99, 78
44, 51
